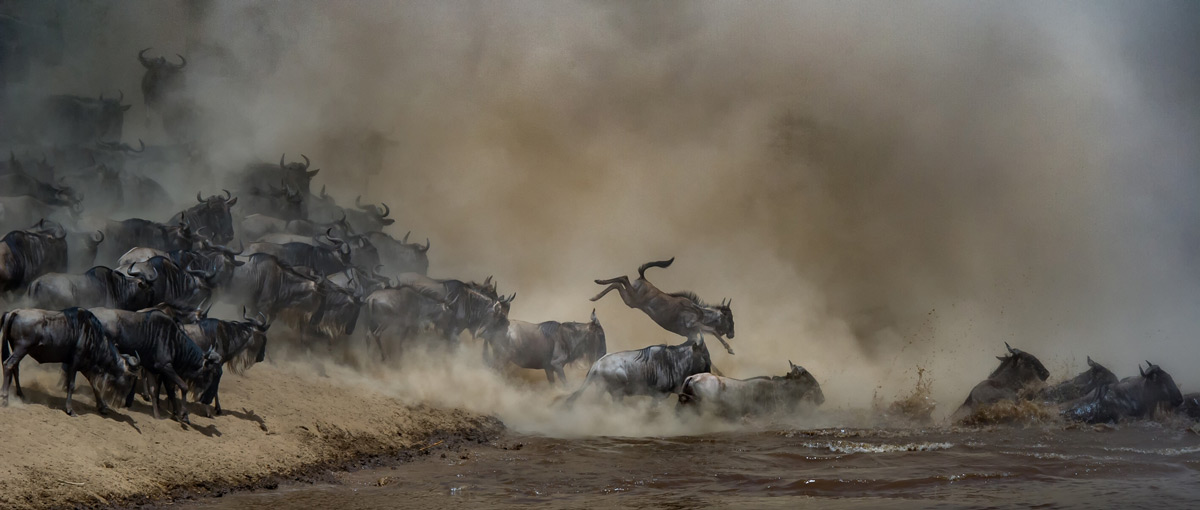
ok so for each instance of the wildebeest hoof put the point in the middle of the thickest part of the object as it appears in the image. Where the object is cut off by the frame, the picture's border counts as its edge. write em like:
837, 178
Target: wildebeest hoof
70, 413
730, 350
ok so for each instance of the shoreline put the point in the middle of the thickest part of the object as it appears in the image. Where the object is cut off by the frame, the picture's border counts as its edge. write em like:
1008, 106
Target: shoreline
282, 423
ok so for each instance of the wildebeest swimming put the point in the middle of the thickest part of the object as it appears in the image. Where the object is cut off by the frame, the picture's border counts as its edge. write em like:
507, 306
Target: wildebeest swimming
72, 337
1086, 382
735, 398
547, 346
1132, 397
1017, 371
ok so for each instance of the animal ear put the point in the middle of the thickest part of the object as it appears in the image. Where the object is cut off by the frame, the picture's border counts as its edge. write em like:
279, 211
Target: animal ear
1141, 370
1090, 362
594, 315
313, 173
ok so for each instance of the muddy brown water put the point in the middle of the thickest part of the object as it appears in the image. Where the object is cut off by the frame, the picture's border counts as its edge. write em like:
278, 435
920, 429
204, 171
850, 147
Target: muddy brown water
1134, 466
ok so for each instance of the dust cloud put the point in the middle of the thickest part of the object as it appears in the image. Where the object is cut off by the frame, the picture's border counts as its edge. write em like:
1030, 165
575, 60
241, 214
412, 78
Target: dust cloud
877, 187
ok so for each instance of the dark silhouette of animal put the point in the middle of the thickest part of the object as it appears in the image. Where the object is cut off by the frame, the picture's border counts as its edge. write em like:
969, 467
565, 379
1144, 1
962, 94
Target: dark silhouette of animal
1086, 382
1132, 397
1017, 371
547, 346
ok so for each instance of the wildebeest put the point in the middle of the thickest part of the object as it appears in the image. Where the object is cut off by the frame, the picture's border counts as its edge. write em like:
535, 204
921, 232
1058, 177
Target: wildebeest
72, 337
255, 227
735, 398
656, 371
547, 346
211, 214
99, 286
74, 120
18, 212
1132, 397
368, 218
336, 314
682, 313
16, 182
162, 78
264, 284
284, 204
263, 176
167, 354
123, 235
239, 344
182, 287
1087, 381
1191, 406
417, 303
399, 256
1017, 371
331, 257
28, 254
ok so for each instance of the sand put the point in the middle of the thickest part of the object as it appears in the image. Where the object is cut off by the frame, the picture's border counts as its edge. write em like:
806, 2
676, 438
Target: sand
281, 421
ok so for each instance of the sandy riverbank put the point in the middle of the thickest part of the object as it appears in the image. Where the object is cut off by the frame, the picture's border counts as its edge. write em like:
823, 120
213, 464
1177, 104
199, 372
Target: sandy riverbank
282, 421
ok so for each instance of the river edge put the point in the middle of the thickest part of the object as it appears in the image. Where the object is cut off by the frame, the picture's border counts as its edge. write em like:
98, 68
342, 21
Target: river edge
282, 424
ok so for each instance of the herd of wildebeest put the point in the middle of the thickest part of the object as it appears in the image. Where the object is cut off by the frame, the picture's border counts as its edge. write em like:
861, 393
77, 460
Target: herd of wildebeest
125, 301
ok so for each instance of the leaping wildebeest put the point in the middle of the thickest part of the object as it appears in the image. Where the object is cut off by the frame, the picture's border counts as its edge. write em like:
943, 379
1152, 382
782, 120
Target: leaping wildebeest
73, 337
682, 313
547, 346
1017, 371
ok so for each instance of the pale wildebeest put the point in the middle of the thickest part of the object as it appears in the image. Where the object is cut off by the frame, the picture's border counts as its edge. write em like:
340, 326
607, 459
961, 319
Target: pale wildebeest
99, 286
1087, 381
1132, 397
656, 371
682, 313
735, 398
400, 256
1017, 371
547, 346
72, 337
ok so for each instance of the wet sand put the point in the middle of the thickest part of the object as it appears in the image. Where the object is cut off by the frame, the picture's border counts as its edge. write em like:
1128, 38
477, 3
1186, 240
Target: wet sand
282, 422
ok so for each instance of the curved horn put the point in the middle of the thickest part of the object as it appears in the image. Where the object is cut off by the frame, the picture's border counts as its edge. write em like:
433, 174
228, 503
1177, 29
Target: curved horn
323, 195
281, 165
1090, 362
228, 195
241, 248
405, 240
426, 247
142, 56
358, 202
182, 61
1010, 349
140, 144
487, 280
198, 199
1141, 371
386, 210
244, 316
1149, 364
99, 237
594, 315
306, 161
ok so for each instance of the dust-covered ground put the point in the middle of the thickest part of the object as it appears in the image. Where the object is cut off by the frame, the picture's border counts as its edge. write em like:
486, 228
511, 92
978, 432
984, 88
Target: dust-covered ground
283, 420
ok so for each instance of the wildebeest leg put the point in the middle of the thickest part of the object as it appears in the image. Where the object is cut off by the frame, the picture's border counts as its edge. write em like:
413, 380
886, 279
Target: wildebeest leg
217, 404
70, 374
623, 280
726, 344
154, 402
558, 359
11, 373
615, 286
549, 374
172, 379
17, 381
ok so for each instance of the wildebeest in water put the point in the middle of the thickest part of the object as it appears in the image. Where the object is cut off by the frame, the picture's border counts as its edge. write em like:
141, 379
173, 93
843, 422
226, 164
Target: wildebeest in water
72, 337
1086, 382
1017, 371
654, 371
682, 313
735, 398
1133, 397
547, 346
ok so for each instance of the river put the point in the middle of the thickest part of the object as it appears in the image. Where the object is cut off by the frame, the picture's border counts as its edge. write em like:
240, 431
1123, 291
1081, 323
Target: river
1144, 465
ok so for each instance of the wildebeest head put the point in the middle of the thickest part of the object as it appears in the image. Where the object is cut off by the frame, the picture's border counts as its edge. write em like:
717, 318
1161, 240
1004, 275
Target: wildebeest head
258, 335
1159, 387
595, 346
803, 382
1019, 367
1095, 376
112, 116
725, 326
299, 174
378, 213
212, 213
161, 76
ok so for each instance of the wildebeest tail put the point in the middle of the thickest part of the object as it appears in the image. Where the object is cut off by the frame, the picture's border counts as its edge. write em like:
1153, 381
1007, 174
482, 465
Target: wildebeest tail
4, 327
658, 263
587, 381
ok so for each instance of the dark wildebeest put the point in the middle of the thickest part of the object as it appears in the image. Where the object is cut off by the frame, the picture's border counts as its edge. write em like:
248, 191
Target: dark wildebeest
547, 346
1017, 371
419, 303
81, 250
255, 227
239, 344
166, 353
337, 313
285, 204
74, 120
656, 371
99, 286
368, 218
263, 176
682, 313
264, 284
1132, 397
211, 214
72, 337
735, 398
181, 287
134, 233
400, 257
359, 281
162, 78
28, 254
331, 257
18, 212
1087, 381
1191, 406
